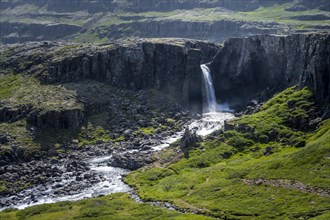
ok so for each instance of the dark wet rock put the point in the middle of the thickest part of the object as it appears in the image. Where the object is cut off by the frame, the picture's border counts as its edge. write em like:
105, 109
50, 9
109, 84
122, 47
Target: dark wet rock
3, 138
227, 154
128, 134
326, 114
10, 113
131, 161
314, 122
87, 176
297, 8
63, 119
268, 151
188, 141
318, 17
252, 107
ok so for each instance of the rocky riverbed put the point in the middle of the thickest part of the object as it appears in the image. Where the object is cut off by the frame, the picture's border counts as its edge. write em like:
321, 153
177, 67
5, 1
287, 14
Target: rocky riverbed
96, 170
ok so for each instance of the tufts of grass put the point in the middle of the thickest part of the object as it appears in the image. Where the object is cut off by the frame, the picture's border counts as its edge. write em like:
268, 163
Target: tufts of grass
19, 90
115, 206
213, 178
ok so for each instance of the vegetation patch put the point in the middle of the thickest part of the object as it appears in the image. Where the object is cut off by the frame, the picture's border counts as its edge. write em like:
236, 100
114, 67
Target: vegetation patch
213, 178
115, 206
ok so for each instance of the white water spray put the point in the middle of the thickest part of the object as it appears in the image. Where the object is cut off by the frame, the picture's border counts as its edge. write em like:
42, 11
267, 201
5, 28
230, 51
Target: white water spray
210, 93
212, 105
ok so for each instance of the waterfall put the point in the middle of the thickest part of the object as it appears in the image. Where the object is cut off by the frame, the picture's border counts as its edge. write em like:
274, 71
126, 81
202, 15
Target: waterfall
210, 94
212, 105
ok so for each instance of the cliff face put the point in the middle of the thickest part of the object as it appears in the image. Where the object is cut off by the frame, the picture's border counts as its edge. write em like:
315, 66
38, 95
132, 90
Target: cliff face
171, 66
95, 6
217, 30
263, 65
12, 32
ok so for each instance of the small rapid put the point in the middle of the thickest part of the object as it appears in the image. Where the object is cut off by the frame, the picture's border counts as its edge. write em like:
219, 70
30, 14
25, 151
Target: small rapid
40, 194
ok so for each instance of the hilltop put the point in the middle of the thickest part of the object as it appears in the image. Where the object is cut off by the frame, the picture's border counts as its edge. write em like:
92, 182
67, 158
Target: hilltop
101, 21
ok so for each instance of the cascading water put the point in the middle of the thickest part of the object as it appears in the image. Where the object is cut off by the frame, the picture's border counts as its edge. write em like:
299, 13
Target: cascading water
214, 114
212, 105
210, 93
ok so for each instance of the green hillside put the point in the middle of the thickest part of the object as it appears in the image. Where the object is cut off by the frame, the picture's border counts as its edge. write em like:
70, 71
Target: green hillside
241, 174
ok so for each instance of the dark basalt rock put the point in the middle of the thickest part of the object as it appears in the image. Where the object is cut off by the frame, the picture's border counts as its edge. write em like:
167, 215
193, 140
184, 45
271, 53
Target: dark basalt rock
131, 161
171, 67
71, 118
297, 8
12, 32
319, 17
13, 113
217, 30
3, 138
257, 67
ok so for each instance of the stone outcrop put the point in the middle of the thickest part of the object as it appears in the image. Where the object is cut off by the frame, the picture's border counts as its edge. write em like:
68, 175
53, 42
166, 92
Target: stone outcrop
216, 30
173, 67
12, 32
263, 65
79, 19
95, 6
69, 118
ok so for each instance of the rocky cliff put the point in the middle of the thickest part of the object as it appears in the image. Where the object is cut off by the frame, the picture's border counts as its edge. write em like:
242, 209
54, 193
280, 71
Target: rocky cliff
140, 65
11, 32
103, 20
95, 6
260, 66
215, 31
171, 66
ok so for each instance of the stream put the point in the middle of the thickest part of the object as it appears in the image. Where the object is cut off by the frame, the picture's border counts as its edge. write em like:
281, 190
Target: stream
110, 177
100, 178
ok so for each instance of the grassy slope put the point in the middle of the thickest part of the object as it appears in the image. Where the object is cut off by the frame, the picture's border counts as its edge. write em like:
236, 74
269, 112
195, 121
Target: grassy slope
212, 182
17, 90
102, 22
117, 206
274, 13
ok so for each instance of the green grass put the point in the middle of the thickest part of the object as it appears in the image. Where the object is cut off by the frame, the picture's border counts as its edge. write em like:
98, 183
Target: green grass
146, 130
212, 178
277, 13
9, 84
20, 90
116, 206
89, 37
283, 118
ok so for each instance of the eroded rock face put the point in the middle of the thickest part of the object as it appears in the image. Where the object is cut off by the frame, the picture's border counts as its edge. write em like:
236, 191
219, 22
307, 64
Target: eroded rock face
217, 30
260, 66
71, 118
173, 68
12, 32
